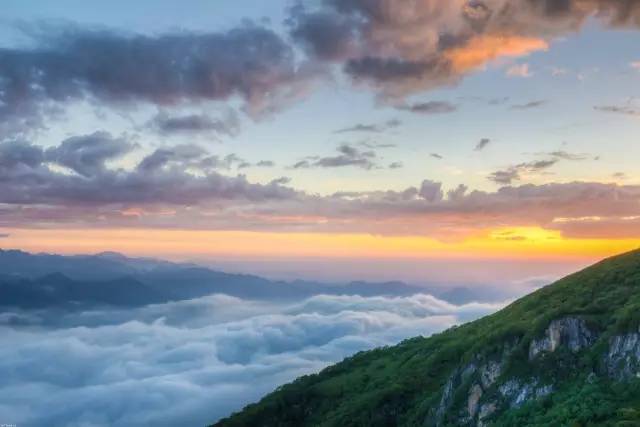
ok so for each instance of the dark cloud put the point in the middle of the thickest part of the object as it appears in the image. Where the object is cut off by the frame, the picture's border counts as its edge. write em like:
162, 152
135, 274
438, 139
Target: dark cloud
482, 144
68, 64
347, 156
436, 156
431, 107
618, 109
265, 164
195, 123
396, 165
371, 127
163, 176
283, 180
529, 105
457, 193
4, 235
325, 35
302, 164
86, 155
431, 191
513, 173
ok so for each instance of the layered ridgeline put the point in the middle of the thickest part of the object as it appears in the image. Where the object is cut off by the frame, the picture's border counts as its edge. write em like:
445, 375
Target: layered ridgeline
566, 355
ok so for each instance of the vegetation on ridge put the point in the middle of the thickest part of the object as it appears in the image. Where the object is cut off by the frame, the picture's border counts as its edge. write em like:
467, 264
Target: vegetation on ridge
403, 384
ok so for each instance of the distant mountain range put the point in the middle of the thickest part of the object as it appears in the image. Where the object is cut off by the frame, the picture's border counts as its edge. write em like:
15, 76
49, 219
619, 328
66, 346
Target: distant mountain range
35, 281
565, 355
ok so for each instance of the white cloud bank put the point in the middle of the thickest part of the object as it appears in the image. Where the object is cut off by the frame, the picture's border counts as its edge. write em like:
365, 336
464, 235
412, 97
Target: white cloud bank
191, 362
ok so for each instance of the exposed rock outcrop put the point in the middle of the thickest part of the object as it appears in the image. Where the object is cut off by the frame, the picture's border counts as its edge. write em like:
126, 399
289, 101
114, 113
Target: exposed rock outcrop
571, 332
488, 392
517, 392
474, 398
623, 359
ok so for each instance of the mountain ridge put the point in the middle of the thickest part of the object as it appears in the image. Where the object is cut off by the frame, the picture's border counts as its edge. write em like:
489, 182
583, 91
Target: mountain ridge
160, 281
567, 354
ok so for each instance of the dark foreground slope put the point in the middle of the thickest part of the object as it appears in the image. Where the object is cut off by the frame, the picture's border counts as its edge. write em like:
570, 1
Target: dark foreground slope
566, 355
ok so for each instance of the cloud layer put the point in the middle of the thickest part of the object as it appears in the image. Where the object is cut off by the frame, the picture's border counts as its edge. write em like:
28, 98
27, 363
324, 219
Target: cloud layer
191, 362
183, 186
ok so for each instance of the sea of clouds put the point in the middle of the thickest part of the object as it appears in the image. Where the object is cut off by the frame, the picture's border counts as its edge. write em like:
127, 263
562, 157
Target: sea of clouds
191, 362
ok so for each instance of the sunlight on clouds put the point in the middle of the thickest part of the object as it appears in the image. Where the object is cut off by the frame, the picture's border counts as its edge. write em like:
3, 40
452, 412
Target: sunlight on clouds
483, 49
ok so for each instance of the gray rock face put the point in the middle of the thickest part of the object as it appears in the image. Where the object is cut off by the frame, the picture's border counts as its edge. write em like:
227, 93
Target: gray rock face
456, 379
571, 332
474, 398
489, 373
623, 359
517, 392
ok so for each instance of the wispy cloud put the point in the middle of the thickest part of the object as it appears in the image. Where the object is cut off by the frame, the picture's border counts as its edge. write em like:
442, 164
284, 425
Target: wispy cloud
514, 173
520, 70
348, 155
618, 109
371, 127
529, 105
482, 144
430, 107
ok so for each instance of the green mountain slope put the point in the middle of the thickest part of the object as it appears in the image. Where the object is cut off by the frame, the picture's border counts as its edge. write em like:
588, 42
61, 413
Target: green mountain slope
566, 355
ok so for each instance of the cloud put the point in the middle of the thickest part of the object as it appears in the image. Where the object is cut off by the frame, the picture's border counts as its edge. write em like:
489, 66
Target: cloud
564, 155
348, 155
265, 164
395, 48
183, 186
399, 48
376, 145
514, 173
194, 124
396, 165
86, 155
618, 109
431, 107
193, 362
431, 191
529, 105
521, 70
436, 156
635, 65
482, 144
4, 235
70, 64
283, 180
182, 175
371, 127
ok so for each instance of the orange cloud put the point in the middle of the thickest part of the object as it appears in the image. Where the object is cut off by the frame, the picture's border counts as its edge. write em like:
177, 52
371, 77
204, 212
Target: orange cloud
482, 49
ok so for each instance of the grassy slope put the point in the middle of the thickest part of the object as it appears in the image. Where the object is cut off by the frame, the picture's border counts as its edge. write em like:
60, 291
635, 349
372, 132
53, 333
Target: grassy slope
399, 385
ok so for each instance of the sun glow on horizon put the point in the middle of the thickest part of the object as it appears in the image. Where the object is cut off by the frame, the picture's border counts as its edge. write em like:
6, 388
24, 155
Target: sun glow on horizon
504, 243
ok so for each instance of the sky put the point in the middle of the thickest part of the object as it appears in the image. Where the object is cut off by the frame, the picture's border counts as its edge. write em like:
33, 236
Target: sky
343, 139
